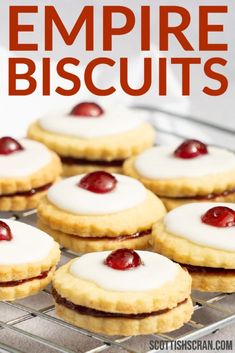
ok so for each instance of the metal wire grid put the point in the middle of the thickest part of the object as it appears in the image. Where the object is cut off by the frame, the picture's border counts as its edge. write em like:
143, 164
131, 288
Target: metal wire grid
212, 306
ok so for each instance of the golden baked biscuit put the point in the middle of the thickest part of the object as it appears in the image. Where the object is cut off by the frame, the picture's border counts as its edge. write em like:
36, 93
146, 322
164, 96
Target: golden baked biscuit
89, 138
201, 237
207, 174
28, 258
123, 293
28, 169
84, 218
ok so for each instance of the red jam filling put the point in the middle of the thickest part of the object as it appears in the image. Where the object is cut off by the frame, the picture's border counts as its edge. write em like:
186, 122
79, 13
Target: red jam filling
205, 197
8, 145
98, 163
204, 269
190, 149
5, 231
17, 283
87, 109
29, 192
118, 238
123, 237
123, 259
215, 195
219, 216
83, 310
98, 182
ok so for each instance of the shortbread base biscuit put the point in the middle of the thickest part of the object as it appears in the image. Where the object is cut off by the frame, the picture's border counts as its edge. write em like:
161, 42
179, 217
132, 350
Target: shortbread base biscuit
171, 203
187, 252
90, 295
180, 187
166, 322
83, 245
138, 218
20, 203
27, 288
120, 146
75, 169
213, 282
44, 176
30, 270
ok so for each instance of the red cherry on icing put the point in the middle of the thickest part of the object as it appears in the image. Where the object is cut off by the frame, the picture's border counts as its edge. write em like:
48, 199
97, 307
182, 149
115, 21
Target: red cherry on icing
9, 145
190, 149
123, 259
98, 182
87, 109
5, 231
219, 217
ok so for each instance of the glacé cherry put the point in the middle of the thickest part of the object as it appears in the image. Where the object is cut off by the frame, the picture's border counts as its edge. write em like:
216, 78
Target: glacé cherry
98, 182
9, 145
5, 231
87, 109
190, 149
123, 259
219, 216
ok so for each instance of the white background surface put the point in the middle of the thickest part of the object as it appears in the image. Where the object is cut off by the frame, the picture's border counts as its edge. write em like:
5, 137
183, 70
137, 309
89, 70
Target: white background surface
16, 112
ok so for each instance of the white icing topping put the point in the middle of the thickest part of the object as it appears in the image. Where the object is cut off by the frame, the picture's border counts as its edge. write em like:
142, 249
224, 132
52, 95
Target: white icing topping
156, 271
68, 196
28, 244
160, 163
114, 121
23, 163
185, 222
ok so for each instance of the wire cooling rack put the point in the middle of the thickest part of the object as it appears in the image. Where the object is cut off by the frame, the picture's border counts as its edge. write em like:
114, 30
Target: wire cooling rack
31, 323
